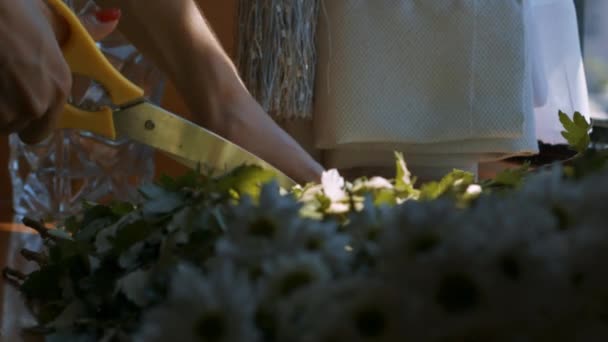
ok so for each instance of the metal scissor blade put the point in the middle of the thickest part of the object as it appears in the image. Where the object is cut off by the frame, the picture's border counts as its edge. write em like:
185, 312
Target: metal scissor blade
185, 141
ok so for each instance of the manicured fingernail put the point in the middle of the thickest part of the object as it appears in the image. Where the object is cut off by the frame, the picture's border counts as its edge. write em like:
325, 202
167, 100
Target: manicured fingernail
107, 15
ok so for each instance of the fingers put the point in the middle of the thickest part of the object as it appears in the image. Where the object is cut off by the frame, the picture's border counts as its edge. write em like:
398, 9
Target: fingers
39, 129
101, 23
38, 126
58, 23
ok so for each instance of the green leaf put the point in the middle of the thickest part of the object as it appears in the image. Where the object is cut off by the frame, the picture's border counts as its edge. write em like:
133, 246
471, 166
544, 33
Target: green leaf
97, 212
576, 131
192, 179
71, 225
456, 181
153, 191
403, 180
44, 284
121, 208
72, 256
59, 234
245, 180
101, 283
512, 177
64, 250
323, 202
131, 234
163, 205
49, 311
385, 197
134, 286
89, 232
311, 210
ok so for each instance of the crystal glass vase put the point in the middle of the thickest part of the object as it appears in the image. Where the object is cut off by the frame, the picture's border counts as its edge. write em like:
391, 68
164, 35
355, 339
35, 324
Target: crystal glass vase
52, 179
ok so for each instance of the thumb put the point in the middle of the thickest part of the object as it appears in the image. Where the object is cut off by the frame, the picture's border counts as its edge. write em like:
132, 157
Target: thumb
101, 23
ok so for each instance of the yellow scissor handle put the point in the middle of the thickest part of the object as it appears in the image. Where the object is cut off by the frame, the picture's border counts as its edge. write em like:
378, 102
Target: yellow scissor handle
84, 58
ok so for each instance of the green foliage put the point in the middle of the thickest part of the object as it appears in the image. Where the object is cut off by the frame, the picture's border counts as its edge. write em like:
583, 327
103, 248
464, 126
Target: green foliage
512, 177
455, 183
245, 180
509, 178
576, 131
93, 256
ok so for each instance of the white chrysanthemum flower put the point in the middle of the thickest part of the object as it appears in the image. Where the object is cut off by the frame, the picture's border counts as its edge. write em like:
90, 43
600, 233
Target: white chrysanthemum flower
416, 228
348, 310
218, 306
257, 233
490, 264
542, 185
585, 200
530, 285
497, 224
253, 230
249, 242
284, 276
322, 238
444, 292
589, 244
367, 227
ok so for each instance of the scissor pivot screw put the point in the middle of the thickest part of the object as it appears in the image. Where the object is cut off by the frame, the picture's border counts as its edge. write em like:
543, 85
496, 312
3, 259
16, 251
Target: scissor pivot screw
150, 125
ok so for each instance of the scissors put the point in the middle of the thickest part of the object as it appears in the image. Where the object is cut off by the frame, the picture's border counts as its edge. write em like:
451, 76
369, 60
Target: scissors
135, 118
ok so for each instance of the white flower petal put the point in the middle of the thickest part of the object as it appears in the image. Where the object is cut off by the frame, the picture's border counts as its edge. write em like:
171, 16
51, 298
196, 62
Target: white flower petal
333, 185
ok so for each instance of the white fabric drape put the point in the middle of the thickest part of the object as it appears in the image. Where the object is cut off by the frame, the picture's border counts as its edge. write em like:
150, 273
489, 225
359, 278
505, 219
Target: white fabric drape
558, 48
448, 82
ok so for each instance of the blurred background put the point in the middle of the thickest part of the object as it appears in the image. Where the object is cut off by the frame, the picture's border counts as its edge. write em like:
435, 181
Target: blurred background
593, 28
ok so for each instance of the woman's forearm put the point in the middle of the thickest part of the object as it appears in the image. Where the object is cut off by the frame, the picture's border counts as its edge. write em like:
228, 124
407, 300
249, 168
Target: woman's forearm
175, 35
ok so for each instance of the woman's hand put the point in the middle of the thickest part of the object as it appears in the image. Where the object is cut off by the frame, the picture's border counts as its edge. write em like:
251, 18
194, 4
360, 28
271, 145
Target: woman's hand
35, 79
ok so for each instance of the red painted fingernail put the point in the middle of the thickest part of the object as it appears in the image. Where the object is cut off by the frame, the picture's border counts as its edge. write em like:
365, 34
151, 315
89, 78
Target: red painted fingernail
108, 14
